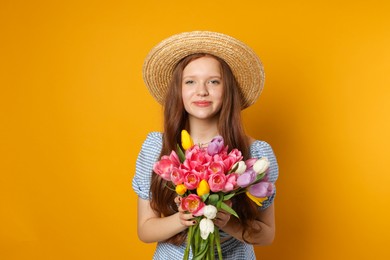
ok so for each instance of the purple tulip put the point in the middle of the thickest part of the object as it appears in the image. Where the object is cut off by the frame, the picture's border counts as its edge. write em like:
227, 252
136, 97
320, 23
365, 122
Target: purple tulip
262, 189
247, 178
215, 146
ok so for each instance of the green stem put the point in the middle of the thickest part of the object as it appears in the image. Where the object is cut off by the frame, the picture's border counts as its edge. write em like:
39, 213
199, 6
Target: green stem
218, 243
189, 238
211, 242
196, 240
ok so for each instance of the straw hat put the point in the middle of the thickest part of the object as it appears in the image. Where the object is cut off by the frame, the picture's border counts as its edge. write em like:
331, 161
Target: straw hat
243, 61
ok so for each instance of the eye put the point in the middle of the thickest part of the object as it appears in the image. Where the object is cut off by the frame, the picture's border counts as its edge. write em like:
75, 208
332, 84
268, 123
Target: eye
215, 82
189, 82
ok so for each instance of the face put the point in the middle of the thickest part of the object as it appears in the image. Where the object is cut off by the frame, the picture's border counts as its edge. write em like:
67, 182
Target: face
202, 88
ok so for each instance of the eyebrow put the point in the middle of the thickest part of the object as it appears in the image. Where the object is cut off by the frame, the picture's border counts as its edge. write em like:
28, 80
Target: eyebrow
191, 76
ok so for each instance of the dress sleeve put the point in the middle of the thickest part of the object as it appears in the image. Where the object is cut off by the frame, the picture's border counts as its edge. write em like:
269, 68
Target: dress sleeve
148, 155
263, 149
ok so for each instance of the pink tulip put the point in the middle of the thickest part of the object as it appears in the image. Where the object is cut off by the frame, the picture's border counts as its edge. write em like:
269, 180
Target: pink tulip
177, 176
201, 171
215, 146
231, 182
193, 204
217, 182
216, 167
262, 189
163, 168
236, 155
233, 157
191, 180
174, 158
195, 157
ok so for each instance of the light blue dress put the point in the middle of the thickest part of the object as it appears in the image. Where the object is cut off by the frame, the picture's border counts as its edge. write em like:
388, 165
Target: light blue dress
149, 154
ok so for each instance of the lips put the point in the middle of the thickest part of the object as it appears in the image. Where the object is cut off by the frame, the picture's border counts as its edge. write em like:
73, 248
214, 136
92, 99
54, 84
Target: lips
202, 103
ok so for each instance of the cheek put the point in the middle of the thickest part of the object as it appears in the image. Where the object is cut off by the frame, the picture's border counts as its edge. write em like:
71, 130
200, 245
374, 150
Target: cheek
218, 94
185, 99
186, 94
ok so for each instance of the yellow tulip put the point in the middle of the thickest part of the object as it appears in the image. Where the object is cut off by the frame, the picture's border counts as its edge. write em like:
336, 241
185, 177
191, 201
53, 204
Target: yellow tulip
181, 189
186, 140
203, 188
257, 200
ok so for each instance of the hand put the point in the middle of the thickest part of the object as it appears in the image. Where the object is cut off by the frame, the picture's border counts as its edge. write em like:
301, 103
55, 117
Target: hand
222, 217
186, 219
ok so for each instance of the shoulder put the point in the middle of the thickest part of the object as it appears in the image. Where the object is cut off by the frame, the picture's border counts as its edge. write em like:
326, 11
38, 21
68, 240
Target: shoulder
150, 149
258, 148
153, 142
154, 137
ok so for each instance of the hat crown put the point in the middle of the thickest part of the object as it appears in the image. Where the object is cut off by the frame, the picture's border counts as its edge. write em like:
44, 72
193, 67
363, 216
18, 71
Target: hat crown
242, 60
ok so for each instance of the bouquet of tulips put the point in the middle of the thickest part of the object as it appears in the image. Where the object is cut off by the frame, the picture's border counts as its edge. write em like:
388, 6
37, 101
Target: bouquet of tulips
205, 177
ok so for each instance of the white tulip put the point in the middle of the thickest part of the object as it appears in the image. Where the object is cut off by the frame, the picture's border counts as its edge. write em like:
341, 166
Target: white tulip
241, 167
261, 165
209, 211
206, 227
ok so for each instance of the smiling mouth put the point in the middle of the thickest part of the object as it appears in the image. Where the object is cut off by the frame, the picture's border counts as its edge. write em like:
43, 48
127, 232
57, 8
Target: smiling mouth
202, 103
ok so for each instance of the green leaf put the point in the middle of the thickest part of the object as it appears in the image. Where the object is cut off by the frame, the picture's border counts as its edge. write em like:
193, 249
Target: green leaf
226, 208
260, 177
220, 200
228, 197
205, 196
180, 153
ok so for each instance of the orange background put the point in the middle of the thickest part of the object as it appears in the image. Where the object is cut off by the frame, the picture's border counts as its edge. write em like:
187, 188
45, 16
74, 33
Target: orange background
74, 112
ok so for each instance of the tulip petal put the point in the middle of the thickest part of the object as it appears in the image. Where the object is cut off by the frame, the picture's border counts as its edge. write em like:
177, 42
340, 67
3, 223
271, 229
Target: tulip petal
186, 140
210, 211
258, 201
247, 178
206, 227
261, 189
261, 165
215, 146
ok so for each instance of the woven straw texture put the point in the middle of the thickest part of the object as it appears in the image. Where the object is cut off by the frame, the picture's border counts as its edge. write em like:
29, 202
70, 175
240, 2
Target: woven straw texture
243, 61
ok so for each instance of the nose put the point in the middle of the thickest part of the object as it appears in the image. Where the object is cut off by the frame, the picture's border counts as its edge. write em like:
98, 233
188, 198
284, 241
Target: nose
202, 90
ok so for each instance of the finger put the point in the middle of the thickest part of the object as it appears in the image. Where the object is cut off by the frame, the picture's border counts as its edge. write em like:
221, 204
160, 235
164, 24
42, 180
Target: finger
188, 223
187, 219
221, 222
222, 215
180, 209
186, 216
177, 200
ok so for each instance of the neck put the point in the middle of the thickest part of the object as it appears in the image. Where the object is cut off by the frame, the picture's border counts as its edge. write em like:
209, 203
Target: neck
203, 131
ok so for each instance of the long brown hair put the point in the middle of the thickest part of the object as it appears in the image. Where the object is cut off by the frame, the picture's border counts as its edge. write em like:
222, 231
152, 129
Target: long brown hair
229, 127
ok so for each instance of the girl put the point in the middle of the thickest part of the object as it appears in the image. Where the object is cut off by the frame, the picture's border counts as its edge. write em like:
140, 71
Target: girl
203, 80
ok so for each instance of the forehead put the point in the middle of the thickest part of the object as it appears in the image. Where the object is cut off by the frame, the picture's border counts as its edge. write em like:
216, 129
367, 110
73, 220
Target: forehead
205, 63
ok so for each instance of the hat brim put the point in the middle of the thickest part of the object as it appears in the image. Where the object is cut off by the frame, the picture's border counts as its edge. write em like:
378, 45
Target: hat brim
243, 61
